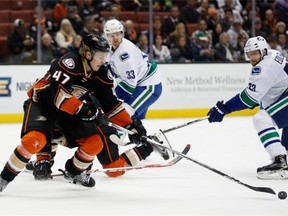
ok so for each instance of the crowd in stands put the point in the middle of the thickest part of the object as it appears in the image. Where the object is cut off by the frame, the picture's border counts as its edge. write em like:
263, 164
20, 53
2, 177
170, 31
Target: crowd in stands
183, 30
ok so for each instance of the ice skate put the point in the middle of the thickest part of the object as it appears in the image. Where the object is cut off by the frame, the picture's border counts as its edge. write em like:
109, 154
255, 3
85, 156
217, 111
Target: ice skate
161, 139
278, 169
42, 169
3, 184
83, 179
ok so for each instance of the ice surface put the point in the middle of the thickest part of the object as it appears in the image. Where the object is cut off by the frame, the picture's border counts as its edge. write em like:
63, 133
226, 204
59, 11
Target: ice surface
184, 189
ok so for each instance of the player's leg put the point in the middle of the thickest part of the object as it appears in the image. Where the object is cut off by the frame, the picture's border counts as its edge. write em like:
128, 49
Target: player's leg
269, 136
143, 97
109, 155
86, 134
33, 140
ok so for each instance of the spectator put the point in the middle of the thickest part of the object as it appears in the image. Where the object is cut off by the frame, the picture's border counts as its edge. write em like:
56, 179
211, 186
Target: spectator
60, 10
143, 43
273, 42
169, 23
49, 51
213, 18
115, 12
235, 30
130, 31
236, 4
47, 24
216, 33
161, 53
233, 5
75, 44
189, 14
280, 11
259, 29
21, 44
282, 41
238, 52
269, 23
227, 21
202, 28
180, 30
203, 9
89, 8
280, 28
90, 26
222, 49
65, 35
181, 51
200, 48
75, 19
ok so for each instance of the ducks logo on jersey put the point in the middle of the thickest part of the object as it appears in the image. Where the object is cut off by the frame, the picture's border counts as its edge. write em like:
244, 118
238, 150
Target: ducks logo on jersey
69, 63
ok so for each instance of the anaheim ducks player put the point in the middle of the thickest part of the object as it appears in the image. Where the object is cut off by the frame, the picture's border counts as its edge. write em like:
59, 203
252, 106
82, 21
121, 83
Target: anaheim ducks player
267, 87
61, 98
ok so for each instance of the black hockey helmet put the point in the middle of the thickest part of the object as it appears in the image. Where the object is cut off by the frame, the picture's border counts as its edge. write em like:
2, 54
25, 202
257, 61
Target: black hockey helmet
95, 43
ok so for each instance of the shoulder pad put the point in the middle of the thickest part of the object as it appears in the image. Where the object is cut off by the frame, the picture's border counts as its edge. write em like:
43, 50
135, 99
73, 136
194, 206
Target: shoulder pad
124, 56
256, 70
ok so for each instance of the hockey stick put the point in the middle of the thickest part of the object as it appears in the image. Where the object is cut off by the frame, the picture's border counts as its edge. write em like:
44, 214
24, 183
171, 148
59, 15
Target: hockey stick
185, 124
153, 142
156, 165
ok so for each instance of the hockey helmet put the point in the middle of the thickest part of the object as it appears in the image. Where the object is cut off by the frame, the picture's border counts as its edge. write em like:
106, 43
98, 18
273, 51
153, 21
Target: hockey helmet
113, 26
256, 43
95, 43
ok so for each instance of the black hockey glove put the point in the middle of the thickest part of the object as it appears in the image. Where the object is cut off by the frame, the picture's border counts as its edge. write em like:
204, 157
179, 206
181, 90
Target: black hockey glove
91, 110
217, 113
139, 131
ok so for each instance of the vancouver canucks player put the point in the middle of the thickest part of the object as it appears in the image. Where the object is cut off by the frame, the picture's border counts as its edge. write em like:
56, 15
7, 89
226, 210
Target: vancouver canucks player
267, 87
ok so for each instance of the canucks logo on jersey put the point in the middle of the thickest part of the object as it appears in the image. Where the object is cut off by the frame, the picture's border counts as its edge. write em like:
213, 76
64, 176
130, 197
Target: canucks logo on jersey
256, 70
124, 56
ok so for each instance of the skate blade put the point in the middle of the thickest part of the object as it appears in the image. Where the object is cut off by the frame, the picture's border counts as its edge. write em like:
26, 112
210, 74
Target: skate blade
273, 175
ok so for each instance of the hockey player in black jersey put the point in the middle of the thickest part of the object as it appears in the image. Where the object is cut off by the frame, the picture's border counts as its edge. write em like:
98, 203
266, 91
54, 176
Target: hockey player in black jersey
69, 96
60, 98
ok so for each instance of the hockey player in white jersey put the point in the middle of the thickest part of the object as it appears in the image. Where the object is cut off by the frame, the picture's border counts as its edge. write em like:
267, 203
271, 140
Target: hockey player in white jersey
267, 87
138, 80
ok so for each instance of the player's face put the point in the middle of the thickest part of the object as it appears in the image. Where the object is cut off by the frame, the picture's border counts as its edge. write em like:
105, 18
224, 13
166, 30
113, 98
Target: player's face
254, 57
98, 60
115, 39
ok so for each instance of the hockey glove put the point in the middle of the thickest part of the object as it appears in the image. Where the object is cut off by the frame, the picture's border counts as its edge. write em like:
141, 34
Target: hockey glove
91, 110
139, 131
217, 113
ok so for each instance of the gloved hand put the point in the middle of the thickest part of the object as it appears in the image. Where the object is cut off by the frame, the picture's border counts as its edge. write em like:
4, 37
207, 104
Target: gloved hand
139, 131
91, 110
217, 113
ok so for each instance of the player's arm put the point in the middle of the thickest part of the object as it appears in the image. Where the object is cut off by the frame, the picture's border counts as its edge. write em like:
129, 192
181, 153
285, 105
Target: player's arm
239, 102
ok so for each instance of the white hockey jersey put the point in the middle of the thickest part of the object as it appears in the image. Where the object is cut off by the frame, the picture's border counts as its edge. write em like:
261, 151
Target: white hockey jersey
268, 80
130, 66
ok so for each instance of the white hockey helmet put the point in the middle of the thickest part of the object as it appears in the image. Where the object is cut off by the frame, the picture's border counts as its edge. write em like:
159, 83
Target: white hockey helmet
113, 26
256, 43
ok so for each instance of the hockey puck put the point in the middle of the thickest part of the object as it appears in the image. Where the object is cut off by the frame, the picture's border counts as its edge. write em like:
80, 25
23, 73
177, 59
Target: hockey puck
282, 195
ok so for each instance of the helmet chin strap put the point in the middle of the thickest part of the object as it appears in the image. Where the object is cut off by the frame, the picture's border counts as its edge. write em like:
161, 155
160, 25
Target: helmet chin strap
89, 61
